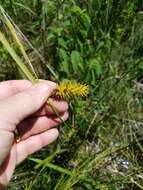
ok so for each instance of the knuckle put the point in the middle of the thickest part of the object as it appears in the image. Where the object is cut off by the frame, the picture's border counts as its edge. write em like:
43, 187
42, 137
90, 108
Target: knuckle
29, 95
29, 99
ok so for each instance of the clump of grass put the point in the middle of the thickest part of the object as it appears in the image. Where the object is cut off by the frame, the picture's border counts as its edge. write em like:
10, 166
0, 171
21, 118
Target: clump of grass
102, 141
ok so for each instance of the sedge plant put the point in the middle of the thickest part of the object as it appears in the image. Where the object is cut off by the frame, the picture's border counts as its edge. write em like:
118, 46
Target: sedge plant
103, 142
64, 90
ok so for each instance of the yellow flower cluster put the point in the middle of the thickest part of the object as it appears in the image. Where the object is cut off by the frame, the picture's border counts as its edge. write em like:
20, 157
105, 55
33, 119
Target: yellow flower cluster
71, 89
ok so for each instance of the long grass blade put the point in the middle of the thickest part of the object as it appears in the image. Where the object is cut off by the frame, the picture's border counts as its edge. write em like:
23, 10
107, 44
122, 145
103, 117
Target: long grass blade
17, 59
53, 166
30, 45
17, 40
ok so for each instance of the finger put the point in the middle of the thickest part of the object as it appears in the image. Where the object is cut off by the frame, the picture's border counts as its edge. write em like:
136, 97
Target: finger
60, 106
34, 126
6, 141
35, 143
11, 87
16, 108
7, 169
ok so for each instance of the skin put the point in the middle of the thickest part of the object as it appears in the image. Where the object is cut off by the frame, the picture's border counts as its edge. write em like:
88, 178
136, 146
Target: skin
23, 107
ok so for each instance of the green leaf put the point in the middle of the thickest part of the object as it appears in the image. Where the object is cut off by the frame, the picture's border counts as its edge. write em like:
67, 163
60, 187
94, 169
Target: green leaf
95, 64
65, 59
62, 43
82, 15
141, 65
77, 61
52, 166
96, 4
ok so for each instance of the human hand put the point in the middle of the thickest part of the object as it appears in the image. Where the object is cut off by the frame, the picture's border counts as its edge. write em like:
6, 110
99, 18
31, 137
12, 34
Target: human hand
23, 107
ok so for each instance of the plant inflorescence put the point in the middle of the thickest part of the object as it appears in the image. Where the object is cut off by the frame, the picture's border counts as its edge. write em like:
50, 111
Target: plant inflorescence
72, 89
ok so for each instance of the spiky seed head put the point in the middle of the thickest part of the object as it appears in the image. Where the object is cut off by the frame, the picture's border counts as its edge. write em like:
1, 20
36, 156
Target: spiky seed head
71, 89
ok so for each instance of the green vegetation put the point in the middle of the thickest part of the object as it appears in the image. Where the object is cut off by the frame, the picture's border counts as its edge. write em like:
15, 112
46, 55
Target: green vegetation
100, 43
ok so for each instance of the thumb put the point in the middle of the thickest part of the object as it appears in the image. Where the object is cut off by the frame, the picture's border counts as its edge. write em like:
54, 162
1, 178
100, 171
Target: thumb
16, 108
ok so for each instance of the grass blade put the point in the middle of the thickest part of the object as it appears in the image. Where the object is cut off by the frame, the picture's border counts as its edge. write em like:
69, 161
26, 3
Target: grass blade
17, 40
17, 59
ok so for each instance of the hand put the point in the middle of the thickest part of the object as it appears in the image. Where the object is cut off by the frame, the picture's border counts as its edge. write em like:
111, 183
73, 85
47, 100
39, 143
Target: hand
23, 107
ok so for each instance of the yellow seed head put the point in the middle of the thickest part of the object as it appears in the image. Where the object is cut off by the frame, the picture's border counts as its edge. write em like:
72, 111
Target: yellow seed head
71, 89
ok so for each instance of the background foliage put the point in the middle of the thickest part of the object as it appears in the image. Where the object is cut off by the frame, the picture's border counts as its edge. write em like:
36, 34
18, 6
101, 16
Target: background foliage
98, 42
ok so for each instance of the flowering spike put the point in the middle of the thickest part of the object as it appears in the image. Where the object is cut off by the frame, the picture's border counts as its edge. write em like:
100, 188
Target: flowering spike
71, 89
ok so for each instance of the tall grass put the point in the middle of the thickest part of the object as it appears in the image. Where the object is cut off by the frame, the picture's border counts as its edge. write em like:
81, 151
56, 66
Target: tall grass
100, 43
